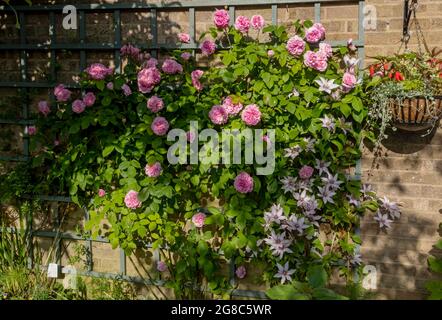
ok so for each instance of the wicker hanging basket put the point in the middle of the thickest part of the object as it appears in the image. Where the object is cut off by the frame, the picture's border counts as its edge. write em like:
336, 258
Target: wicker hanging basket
416, 114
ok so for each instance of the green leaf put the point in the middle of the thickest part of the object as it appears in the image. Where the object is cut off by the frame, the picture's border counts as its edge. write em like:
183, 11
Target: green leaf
327, 294
107, 151
286, 292
435, 264
317, 276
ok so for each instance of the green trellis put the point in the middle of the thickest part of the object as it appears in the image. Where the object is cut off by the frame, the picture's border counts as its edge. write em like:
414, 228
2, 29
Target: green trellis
83, 47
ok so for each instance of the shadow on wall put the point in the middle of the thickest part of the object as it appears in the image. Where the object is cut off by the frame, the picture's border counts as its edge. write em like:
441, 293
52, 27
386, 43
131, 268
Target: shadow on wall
408, 169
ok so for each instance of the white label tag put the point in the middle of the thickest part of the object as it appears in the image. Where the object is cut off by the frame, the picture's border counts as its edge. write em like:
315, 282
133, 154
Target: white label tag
53, 270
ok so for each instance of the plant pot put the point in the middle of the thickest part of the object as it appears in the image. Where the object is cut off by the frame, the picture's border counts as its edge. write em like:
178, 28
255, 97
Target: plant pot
416, 114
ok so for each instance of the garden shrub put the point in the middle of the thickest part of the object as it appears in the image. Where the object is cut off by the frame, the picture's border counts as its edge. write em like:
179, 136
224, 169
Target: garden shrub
108, 146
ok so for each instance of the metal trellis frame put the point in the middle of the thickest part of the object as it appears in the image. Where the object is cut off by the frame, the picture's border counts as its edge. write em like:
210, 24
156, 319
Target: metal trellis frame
83, 47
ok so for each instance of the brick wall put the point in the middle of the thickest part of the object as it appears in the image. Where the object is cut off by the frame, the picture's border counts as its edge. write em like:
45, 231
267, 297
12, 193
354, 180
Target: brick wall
409, 171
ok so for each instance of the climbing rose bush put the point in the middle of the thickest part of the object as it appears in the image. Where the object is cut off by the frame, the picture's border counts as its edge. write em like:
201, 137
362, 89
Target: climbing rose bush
111, 156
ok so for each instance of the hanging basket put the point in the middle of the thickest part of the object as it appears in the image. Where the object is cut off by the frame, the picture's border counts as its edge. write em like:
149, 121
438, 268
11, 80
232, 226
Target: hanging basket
416, 114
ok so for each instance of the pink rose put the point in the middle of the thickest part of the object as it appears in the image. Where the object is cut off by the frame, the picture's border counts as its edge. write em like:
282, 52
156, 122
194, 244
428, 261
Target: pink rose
170, 66
196, 75
266, 139
243, 183
78, 106
221, 18
56, 142
184, 37
257, 22
61, 93
270, 53
155, 104
231, 108
326, 49
316, 60
242, 24
208, 47
161, 266
251, 115
153, 170
218, 115
241, 272
126, 90
148, 78
190, 136
101, 193
131, 51
151, 63
198, 219
89, 99
321, 28
313, 35
349, 81
131, 200
305, 172
98, 71
160, 126
186, 55
43, 107
32, 130
295, 46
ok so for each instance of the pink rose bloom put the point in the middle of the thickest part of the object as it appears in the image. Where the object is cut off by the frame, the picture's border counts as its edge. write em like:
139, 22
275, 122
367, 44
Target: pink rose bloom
160, 126
151, 63
147, 79
196, 75
251, 115
43, 107
32, 130
321, 28
218, 115
89, 99
231, 108
101, 193
313, 35
242, 24
326, 49
98, 71
110, 86
131, 51
154, 170
257, 22
190, 136
208, 47
78, 106
131, 200
221, 18
349, 81
155, 104
126, 90
266, 139
270, 53
198, 219
243, 183
170, 66
305, 172
295, 46
184, 37
186, 55
241, 272
316, 60
61, 93
161, 266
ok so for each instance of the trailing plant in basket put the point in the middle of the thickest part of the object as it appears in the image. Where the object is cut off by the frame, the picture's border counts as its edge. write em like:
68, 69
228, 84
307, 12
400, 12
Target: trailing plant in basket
109, 147
406, 89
